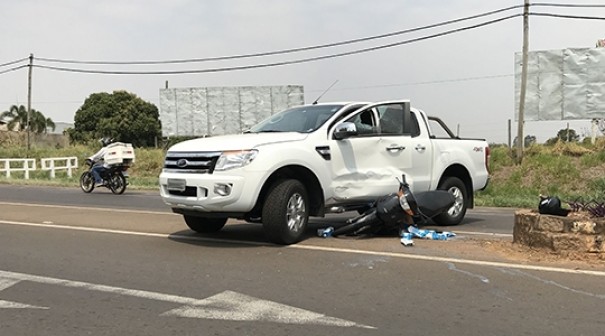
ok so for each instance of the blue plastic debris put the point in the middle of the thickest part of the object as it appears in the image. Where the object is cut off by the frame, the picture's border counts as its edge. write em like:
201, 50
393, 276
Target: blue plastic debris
325, 233
430, 234
406, 239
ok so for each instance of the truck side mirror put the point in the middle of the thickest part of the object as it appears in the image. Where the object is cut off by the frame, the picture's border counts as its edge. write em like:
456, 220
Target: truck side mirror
345, 130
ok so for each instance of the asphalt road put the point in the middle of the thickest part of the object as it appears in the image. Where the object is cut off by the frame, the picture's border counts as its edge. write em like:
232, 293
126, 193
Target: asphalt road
71, 267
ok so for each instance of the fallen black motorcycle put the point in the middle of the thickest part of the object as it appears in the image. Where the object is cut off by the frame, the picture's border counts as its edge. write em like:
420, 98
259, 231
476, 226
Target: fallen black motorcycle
115, 178
396, 212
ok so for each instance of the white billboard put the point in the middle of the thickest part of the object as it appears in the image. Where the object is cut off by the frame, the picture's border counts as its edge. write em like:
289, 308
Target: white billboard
208, 111
562, 84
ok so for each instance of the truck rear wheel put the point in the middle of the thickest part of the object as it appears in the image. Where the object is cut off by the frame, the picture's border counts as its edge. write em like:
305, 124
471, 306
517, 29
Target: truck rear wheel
204, 224
285, 212
455, 214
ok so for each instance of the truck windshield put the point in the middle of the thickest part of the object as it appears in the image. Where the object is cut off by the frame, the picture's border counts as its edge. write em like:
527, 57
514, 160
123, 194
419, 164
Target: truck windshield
303, 119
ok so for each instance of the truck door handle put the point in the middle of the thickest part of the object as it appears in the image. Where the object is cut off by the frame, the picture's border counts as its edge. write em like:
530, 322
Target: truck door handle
420, 148
395, 148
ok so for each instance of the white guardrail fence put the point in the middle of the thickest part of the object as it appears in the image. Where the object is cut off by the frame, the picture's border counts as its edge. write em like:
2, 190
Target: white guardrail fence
27, 165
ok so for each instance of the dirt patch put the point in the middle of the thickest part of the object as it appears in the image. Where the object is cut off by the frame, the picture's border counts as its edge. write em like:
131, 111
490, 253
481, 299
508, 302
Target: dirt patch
502, 249
517, 253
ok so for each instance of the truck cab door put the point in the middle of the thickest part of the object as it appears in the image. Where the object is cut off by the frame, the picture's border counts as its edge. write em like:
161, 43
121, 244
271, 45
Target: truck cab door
366, 163
401, 125
420, 174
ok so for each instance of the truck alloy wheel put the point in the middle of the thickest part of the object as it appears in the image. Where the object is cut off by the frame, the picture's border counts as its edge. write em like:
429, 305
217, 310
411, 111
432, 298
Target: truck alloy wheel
285, 212
456, 213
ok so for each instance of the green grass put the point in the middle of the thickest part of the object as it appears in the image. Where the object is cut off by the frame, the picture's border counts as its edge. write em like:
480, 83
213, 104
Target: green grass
143, 174
569, 171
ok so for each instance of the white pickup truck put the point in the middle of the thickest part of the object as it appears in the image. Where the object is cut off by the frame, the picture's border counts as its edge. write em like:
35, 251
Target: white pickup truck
316, 159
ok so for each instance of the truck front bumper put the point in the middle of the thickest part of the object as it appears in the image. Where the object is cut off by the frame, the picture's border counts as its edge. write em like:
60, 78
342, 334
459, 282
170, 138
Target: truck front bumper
209, 192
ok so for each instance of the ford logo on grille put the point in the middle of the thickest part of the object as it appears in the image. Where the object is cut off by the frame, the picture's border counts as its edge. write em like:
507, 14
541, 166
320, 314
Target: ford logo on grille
182, 163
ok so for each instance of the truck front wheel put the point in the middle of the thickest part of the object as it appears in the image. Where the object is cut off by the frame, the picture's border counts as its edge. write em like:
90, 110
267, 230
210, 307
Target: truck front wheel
455, 214
204, 224
285, 212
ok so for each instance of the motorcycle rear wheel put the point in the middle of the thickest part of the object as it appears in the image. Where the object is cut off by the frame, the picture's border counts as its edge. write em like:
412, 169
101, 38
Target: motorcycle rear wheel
87, 182
117, 184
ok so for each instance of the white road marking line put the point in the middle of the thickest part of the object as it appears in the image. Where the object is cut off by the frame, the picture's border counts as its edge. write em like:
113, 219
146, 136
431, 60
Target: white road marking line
90, 208
325, 249
224, 306
474, 233
455, 260
174, 214
6, 283
16, 305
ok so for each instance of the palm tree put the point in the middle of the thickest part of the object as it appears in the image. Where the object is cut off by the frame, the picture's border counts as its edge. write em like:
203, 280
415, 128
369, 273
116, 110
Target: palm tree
18, 118
49, 123
39, 123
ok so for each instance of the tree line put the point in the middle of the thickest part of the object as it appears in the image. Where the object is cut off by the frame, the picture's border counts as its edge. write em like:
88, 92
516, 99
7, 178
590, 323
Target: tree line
120, 115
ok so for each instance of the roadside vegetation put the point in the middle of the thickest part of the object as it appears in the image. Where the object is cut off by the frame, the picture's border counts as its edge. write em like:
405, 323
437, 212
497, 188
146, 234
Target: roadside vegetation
569, 170
143, 173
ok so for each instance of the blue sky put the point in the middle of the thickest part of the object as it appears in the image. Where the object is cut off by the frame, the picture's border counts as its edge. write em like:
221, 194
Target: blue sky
465, 78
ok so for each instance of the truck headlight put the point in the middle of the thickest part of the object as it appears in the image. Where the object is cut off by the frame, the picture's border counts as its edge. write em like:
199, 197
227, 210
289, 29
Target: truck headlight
235, 159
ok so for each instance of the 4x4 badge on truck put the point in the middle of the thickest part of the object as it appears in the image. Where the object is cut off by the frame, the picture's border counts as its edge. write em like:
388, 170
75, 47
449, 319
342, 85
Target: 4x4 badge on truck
182, 163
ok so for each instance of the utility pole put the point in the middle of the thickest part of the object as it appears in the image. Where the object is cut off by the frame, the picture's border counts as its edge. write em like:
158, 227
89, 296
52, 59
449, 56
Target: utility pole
29, 97
521, 120
509, 133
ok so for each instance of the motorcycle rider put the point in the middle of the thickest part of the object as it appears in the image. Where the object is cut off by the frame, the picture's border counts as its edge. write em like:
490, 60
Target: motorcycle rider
99, 165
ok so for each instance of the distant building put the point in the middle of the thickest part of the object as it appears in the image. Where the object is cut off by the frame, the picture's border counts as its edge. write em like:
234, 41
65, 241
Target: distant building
60, 127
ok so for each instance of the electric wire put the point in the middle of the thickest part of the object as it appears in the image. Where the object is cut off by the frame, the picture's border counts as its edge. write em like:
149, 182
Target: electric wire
284, 51
13, 69
303, 60
439, 81
565, 16
297, 61
14, 62
293, 50
566, 5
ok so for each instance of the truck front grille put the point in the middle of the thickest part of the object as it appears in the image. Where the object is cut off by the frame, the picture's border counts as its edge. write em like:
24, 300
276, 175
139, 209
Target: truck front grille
191, 162
188, 192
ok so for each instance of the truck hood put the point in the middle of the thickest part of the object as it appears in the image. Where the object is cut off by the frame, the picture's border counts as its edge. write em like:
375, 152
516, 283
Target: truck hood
235, 141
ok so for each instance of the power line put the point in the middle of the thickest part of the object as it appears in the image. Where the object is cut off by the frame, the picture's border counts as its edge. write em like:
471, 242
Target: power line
292, 50
566, 5
265, 65
13, 69
219, 58
285, 51
304, 60
439, 81
14, 62
564, 16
